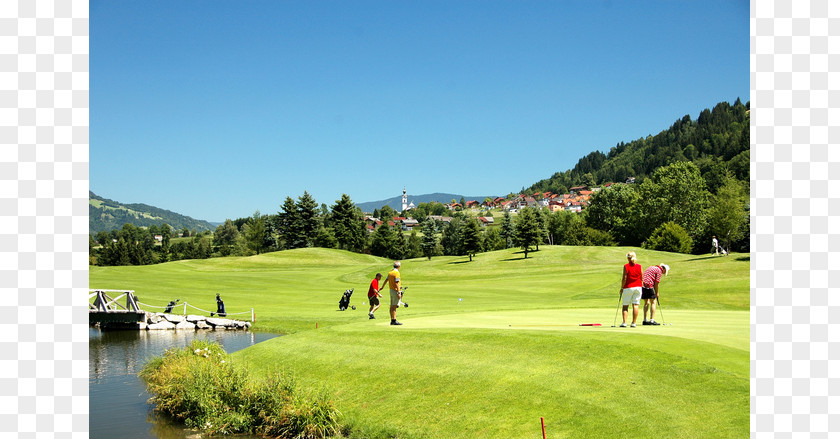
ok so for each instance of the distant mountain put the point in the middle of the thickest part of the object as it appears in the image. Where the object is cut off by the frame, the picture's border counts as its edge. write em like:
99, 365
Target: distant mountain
106, 215
396, 202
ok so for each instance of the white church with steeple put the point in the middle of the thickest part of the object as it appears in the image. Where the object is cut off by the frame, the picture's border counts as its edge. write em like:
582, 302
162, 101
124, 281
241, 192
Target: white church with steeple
405, 204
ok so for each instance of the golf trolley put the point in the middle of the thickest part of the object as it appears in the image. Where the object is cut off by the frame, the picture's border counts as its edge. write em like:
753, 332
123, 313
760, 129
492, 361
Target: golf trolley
345, 300
402, 291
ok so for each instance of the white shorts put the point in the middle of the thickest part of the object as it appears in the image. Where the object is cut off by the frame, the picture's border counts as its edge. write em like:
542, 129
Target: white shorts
631, 295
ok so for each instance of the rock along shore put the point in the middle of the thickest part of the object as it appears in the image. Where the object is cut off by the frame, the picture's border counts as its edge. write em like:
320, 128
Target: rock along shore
158, 320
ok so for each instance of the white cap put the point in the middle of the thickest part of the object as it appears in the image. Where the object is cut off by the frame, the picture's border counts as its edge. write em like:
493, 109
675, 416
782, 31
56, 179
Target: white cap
665, 268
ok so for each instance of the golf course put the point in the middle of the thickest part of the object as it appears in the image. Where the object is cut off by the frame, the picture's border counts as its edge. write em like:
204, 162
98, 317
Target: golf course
489, 347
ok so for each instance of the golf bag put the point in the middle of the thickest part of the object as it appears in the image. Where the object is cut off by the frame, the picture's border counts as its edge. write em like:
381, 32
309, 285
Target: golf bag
344, 303
170, 305
220, 307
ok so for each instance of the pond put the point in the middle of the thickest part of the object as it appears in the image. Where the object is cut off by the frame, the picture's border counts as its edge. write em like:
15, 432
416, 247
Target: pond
118, 400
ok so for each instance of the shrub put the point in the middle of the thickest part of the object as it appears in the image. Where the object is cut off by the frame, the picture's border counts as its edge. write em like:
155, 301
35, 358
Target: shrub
669, 237
600, 237
577, 233
201, 387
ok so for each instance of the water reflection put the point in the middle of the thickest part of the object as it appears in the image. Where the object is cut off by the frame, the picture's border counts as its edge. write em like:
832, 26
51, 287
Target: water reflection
118, 398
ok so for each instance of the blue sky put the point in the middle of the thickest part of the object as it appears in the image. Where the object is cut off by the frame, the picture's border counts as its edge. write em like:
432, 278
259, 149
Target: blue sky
217, 109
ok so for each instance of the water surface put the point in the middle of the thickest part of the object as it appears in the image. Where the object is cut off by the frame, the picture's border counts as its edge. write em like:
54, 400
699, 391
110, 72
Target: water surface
119, 405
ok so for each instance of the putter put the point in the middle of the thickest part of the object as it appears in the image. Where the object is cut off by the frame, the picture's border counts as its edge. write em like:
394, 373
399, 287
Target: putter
616, 309
660, 312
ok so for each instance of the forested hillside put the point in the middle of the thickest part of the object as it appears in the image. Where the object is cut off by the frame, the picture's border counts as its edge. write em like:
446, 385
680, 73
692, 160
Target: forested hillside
717, 141
106, 215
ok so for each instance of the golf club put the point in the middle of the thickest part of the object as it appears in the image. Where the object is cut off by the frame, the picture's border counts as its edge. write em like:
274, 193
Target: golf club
616, 309
660, 312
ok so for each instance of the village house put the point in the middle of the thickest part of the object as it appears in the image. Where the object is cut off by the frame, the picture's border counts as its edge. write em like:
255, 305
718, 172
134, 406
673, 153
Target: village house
409, 223
573, 206
555, 206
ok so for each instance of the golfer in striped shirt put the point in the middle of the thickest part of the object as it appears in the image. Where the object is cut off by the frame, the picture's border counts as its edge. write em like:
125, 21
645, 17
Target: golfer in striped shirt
650, 290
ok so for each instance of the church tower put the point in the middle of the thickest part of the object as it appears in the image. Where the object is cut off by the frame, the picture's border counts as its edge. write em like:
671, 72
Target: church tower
404, 201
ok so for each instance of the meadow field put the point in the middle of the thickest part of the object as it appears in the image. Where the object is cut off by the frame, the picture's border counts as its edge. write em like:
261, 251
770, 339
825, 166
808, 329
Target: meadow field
488, 347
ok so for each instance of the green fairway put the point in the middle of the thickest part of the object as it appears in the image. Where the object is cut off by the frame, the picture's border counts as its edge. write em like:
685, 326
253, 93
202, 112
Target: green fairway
490, 346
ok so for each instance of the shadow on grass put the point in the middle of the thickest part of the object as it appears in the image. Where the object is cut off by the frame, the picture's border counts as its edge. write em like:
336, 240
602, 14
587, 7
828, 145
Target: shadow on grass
702, 258
740, 258
531, 252
459, 262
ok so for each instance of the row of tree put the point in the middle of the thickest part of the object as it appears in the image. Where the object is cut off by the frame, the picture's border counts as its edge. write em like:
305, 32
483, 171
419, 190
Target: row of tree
673, 210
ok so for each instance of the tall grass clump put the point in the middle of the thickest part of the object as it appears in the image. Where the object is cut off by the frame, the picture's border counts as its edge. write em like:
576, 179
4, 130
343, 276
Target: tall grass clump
199, 386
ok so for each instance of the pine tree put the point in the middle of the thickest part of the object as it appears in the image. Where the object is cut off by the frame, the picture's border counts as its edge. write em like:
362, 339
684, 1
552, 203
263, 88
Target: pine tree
347, 224
381, 241
307, 221
429, 240
508, 231
287, 224
527, 230
471, 237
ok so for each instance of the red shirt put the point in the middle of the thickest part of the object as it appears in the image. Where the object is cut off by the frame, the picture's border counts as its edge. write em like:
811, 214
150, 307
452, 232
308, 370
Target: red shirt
374, 287
633, 277
652, 276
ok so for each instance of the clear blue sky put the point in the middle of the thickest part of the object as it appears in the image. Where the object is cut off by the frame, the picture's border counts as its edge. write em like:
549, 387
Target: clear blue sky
216, 109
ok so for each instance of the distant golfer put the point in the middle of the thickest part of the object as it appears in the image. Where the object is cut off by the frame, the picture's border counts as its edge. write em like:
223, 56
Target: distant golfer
650, 290
396, 296
715, 245
631, 289
373, 294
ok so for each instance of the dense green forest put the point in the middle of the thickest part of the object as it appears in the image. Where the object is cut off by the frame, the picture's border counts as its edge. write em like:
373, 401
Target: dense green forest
718, 141
106, 215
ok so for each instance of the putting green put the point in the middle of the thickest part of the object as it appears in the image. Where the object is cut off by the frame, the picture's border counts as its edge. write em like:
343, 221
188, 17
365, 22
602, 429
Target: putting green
727, 328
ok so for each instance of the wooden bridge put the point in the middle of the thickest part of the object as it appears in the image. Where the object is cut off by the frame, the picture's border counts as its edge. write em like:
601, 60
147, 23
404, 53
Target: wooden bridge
107, 312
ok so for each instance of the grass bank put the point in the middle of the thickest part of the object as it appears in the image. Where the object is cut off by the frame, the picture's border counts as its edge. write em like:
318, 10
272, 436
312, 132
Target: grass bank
490, 346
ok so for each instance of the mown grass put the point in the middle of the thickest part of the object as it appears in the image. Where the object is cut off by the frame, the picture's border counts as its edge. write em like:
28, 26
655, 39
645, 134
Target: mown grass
504, 355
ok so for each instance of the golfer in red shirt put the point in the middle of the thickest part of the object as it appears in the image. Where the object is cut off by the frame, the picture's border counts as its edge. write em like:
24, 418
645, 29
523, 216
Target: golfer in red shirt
373, 295
631, 289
